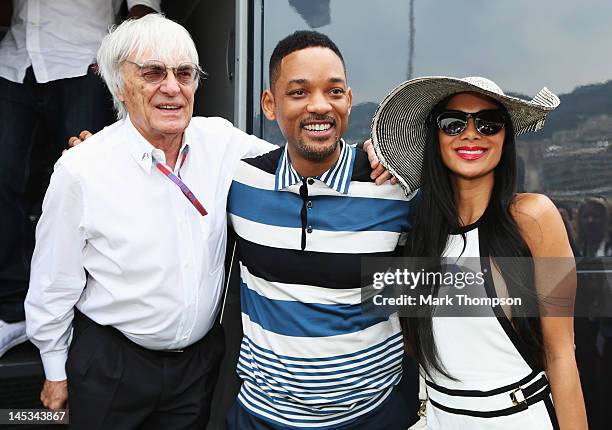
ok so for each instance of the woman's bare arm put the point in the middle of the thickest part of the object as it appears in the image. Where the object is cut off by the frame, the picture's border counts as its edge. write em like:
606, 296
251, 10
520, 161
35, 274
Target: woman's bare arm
542, 228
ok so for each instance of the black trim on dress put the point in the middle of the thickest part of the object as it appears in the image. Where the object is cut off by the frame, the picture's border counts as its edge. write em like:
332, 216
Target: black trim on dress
551, 413
541, 396
528, 391
499, 312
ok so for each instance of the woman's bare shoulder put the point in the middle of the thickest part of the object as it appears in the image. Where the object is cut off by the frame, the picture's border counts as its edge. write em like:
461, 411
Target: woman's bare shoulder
532, 205
540, 224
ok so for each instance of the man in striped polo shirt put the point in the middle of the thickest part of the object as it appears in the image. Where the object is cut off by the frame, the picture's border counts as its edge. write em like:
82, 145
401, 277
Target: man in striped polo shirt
305, 215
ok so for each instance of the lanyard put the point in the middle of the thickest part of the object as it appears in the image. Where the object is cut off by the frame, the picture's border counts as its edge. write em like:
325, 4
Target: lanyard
177, 180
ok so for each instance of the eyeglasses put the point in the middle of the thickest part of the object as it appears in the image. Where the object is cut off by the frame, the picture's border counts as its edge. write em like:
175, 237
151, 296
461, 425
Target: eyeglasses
487, 122
154, 72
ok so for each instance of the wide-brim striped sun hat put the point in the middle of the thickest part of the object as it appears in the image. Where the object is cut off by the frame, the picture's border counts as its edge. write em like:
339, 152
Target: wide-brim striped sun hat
399, 126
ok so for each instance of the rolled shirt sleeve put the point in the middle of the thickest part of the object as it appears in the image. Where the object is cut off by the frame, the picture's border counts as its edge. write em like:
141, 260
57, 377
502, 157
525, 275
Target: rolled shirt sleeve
57, 276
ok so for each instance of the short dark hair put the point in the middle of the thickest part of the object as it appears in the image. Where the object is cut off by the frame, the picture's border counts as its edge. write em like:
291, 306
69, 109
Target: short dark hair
295, 42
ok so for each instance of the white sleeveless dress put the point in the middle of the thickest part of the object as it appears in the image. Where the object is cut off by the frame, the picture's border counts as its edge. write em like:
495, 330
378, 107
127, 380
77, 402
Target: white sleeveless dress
497, 387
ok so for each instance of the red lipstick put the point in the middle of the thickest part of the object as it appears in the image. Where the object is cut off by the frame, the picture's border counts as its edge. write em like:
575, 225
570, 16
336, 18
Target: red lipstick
470, 152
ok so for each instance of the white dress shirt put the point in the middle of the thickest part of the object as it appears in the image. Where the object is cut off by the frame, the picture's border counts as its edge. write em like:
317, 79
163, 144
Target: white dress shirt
58, 38
122, 243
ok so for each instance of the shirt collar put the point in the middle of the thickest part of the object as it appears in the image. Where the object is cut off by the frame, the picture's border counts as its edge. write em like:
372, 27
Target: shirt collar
142, 151
338, 177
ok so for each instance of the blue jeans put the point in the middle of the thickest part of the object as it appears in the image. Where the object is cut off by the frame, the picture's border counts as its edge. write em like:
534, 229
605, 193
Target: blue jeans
55, 110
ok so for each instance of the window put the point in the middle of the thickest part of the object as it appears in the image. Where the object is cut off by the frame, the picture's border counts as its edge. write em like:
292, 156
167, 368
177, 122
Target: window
522, 45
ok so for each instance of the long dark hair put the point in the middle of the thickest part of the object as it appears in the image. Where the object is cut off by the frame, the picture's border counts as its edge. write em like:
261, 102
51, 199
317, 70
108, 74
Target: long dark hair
436, 218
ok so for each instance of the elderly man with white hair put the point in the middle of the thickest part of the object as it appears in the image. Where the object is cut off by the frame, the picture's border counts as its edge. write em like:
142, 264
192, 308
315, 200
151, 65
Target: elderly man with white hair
130, 246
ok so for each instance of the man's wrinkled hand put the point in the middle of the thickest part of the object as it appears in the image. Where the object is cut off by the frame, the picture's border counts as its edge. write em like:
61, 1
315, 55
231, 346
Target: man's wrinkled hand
54, 394
76, 140
379, 173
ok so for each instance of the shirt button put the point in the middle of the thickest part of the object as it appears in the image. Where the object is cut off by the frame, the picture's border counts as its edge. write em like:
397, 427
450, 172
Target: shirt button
310, 181
309, 229
309, 204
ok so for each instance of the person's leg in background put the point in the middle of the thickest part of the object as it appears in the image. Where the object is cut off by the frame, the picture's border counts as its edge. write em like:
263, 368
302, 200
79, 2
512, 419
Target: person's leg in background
19, 112
85, 104
71, 106
65, 107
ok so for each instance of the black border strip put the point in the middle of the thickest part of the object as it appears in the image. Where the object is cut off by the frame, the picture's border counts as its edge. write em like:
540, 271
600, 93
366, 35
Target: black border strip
499, 312
478, 393
462, 229
536, 386
542, 395
551, 413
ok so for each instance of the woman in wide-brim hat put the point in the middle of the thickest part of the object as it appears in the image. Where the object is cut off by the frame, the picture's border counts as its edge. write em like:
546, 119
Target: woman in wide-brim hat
454, 140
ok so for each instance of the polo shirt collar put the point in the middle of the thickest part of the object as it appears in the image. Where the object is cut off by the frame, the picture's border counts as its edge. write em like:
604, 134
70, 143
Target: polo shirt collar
143, 152
337, 177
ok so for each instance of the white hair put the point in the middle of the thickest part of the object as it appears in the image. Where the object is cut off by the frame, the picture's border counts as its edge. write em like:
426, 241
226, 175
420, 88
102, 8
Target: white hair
153, 35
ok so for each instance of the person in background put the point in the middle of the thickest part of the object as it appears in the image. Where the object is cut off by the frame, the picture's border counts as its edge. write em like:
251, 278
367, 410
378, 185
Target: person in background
47, 80
595, 244
6, 12
593, 225
565, 210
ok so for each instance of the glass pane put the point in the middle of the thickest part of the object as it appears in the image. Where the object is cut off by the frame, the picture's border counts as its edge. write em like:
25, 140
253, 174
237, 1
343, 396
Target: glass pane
522, 45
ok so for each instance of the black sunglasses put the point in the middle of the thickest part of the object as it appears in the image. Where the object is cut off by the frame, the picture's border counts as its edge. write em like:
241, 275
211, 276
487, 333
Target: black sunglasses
488, 122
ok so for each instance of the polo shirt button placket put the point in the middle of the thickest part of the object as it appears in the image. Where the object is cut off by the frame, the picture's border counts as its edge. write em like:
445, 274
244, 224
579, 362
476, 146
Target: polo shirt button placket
311, 181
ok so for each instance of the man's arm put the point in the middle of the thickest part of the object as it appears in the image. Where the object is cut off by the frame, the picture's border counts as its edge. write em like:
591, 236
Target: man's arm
259, 147
57, 280
251, 146
245, 145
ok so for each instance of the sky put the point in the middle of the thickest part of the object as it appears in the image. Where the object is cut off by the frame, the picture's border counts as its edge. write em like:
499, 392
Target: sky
523, 45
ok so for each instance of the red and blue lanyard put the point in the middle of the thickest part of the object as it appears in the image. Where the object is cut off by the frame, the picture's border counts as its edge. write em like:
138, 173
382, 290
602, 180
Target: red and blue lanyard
177, 180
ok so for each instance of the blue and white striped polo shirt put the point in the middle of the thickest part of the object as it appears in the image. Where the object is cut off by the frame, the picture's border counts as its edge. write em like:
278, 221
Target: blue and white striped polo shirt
310, 358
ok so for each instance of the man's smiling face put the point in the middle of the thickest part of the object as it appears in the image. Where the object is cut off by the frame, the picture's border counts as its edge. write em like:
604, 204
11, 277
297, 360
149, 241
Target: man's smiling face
311, 102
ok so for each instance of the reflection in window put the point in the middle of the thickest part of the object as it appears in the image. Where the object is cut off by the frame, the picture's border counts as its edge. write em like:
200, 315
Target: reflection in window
316, 14
571, 160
